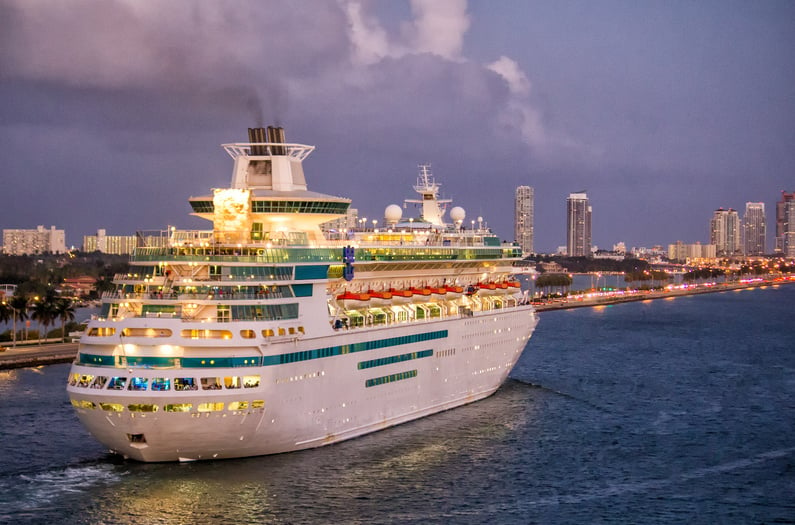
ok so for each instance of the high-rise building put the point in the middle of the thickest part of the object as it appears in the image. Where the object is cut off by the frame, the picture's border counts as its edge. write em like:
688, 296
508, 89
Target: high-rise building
724, 232
682, 252
524, 209
781, 222
30, 242
578, 225
114, 244
788, 228
754, 228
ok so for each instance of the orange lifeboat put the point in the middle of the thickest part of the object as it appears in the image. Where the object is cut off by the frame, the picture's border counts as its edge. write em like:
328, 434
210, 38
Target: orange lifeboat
353, 300
421, 294
514, 284
401, 296
487, 288
380, 298
441, 290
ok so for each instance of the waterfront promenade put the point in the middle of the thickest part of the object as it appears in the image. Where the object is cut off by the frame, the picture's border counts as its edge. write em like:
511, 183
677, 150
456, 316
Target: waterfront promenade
587, 299
46, 354
34, 355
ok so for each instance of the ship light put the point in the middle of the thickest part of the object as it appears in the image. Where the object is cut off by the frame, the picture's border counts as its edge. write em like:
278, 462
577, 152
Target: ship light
129, 348
168, 349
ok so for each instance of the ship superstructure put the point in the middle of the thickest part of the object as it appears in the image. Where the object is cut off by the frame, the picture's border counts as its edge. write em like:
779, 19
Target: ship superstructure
265, 335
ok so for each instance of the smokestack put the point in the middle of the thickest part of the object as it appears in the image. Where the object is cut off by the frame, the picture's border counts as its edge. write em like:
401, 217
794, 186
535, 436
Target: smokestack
276, 135
257, 136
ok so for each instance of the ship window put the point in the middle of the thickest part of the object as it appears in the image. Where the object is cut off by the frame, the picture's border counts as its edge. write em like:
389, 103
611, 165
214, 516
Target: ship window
178, 407
142, 407
184, 383
282, 331
258, 403
161, 384
210, 407
73, 379
211, 383
85, 380
301, 329
248, 334
101, 331
232, 382
146, 332
83, 403
206, 334
251, 381
238, 405
99, 382
291, 330
117, 383
267, 332
112, 407
138, 383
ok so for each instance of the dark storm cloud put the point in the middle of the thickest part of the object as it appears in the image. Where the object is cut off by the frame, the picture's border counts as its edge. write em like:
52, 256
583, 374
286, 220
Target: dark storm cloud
653, 108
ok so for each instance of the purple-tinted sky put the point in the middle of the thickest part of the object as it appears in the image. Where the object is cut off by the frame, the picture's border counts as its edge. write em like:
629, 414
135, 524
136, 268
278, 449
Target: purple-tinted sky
111, 112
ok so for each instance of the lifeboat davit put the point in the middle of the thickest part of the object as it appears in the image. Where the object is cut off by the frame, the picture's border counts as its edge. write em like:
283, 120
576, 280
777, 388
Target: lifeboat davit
351, 300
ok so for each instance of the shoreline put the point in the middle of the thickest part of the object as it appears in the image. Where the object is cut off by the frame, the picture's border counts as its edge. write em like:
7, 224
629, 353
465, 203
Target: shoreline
610, 298
49, 354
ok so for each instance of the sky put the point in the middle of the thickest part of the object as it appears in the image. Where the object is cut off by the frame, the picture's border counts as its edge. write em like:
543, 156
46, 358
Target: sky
112, 112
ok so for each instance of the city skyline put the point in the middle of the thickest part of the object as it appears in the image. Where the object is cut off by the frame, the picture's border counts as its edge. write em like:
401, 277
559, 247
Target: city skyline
664, 111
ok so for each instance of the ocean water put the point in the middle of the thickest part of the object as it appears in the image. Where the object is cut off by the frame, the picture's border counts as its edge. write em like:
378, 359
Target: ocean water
668, 411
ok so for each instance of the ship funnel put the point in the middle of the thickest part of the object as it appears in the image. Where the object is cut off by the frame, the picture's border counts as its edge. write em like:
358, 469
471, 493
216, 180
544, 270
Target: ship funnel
276, 136
257, 136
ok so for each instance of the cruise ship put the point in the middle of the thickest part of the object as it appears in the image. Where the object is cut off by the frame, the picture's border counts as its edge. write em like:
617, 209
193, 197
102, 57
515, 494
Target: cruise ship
273, 331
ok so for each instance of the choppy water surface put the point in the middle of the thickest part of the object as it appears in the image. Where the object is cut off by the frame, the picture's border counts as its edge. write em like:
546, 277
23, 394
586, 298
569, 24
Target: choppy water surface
677, 411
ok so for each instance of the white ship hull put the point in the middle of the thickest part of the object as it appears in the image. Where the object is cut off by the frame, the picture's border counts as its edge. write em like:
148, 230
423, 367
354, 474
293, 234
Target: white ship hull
318, 401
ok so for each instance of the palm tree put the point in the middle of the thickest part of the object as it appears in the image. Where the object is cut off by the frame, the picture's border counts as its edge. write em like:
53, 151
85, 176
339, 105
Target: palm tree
20, 307
5, 312
44, 311
65, 311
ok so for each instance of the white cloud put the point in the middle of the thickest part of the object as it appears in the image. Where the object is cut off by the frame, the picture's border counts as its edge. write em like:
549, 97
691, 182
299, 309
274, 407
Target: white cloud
368, 39
439, 27
513, 75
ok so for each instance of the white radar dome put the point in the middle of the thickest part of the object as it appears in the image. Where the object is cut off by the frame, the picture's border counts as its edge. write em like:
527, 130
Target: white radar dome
458, 214
393, 213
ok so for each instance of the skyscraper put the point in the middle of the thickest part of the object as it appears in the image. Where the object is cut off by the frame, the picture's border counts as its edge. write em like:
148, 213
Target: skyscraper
524, 208
781, 221
754, 228
724, 232
578, 225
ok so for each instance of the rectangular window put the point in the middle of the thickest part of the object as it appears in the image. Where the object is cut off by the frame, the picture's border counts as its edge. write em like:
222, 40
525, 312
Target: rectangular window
161, 384
185, 383
251, 381
211, 383
178, 407
138, 383
117, 383
210, 407
232, 382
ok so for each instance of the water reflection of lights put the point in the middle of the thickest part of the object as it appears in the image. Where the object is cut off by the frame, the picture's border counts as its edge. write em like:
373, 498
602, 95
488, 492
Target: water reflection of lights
8, 380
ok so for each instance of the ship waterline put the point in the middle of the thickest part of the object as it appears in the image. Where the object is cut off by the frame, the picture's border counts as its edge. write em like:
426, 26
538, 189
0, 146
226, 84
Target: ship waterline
267, 334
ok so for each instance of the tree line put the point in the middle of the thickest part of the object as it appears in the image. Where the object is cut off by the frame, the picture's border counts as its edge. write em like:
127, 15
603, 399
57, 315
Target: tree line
37, 279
